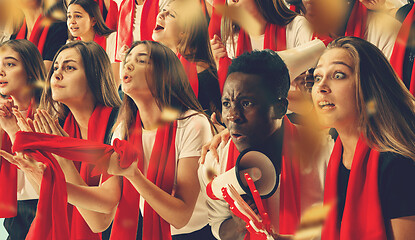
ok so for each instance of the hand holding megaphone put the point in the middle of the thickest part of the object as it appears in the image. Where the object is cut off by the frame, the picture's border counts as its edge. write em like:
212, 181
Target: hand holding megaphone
258, 226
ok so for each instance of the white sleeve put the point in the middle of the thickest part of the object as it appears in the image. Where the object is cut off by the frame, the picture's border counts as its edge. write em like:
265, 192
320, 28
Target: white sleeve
382, 31
117, 133
298, 32
218, 210
195, 131
111, 44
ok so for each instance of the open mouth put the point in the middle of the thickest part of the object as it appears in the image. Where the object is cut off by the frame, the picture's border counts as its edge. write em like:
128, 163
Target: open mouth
326, 105
237, 136
74, 28
126, 79
3, 83
158, 28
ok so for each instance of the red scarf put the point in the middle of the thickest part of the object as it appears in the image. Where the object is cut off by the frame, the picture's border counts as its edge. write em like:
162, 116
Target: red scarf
191, 72
273, 34
39, 33
398, 55
356, 25
112, 13
161, 172
214, 28
215, 19
290, 197
101, 40
8, 177
51, 221
362, 217
126, 22
97, 126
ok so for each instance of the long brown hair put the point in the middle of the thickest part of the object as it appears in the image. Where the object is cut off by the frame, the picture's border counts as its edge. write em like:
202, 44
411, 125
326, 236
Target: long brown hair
99, 75
194, 45
168, 84
273, 11
32, 61
92, 8
386, 108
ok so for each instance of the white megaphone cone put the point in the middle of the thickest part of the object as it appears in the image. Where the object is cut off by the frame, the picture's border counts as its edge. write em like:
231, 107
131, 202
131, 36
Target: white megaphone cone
259, 167
303, 57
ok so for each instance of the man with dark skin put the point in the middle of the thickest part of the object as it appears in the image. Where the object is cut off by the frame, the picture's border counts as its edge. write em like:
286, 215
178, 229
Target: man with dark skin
254, 102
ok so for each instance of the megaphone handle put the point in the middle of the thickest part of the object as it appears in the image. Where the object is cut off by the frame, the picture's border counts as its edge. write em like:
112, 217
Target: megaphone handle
232, 206
258, 201
257, 233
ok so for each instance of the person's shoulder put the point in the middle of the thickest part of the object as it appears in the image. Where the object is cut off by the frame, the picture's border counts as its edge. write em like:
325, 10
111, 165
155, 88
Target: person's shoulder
212, 162
388, 160
191, 117
298, 21
58, 30
58, 25
394, 167
379, 20
298, 31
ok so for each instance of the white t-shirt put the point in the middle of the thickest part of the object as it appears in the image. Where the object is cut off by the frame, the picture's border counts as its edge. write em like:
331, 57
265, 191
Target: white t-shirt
192, 133
25, 191
298, 32
111, 45
382, 31
312, 186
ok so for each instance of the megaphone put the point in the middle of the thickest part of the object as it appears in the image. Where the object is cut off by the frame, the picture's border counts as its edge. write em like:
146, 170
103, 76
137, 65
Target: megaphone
303, 57
260, 168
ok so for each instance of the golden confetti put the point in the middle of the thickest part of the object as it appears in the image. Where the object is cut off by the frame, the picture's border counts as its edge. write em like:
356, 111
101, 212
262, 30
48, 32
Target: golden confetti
371, 107
312, 221
189, 12
39, 84
169, 114
58, 14
326, 16
242, 17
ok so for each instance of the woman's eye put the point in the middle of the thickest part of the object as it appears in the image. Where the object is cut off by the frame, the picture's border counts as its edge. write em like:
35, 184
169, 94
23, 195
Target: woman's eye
55, 69
78, 16
142, 61
69, 68
172, 15
226, 104
10, 64
317, 78
339, 75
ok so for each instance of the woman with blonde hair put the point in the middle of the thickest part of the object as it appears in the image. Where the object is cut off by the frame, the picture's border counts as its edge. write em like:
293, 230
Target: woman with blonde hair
371, 170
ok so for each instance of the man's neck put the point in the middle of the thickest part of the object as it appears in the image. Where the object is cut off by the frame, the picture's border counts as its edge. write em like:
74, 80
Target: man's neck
272, 147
